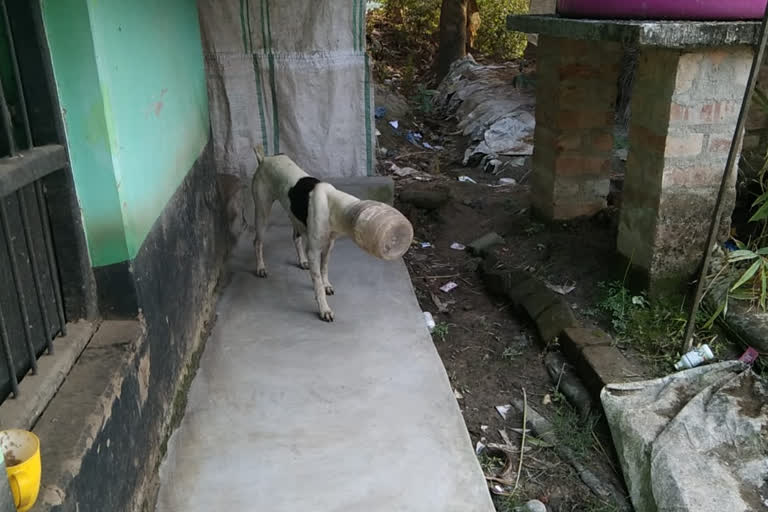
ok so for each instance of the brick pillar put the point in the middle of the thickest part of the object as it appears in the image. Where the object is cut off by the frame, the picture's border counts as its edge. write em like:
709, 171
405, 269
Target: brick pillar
684, 111
575, 102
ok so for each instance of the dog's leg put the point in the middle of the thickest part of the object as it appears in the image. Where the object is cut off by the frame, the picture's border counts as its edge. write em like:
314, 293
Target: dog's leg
315, 270
325, 257
318, 240
301, 250
263, 207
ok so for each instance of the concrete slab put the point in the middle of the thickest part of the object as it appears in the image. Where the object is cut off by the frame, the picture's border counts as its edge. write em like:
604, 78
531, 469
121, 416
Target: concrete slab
289, 413
665, 34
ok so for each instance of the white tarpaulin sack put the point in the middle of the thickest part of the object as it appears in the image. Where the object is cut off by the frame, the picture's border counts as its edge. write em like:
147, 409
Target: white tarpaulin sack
292, 76
694, 441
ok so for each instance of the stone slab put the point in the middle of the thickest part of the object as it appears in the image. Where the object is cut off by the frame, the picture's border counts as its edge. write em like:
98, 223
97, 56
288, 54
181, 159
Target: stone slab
665, 34
36, 391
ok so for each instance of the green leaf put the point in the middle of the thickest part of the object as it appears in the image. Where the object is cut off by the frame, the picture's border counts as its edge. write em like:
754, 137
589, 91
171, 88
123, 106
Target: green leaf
762, 286
747, 275
762, 251
741, 255
720, 309
760, 214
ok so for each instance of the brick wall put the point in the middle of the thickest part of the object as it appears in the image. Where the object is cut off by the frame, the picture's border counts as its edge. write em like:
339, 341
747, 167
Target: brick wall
576, 95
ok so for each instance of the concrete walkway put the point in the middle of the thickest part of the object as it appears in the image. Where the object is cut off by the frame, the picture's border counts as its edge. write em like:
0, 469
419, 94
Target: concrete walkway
288, 413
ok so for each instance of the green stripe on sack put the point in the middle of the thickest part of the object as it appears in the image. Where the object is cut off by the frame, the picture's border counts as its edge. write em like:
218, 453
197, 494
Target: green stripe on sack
242, 26
260, 94
368, 121
361, 27
248, 22
354, 23
272, 82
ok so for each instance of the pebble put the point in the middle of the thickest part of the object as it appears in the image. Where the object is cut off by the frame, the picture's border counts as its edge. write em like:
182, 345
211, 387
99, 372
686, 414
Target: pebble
532, 506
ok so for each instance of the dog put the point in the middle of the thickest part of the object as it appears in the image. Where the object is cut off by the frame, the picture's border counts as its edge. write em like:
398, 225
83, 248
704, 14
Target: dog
320, 214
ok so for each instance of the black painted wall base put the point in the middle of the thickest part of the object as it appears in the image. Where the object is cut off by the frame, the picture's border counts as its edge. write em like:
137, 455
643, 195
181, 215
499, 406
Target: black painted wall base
116, 291
173, 279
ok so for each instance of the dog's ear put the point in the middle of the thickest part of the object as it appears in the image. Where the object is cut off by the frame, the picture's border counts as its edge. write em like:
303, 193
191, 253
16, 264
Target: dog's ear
259, 152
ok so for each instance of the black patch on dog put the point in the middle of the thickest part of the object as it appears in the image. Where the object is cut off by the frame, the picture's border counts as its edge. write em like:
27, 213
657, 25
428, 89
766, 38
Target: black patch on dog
298, 195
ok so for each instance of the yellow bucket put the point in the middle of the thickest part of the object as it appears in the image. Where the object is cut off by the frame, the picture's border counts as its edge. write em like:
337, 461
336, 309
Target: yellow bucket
21, 450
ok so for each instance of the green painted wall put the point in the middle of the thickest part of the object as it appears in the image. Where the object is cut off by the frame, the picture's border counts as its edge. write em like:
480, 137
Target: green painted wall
131, 82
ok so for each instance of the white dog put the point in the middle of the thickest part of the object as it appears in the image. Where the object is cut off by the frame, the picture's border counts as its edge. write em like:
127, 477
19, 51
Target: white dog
320, 214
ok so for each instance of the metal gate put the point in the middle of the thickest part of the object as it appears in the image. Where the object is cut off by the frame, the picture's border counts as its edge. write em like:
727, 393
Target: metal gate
31, 307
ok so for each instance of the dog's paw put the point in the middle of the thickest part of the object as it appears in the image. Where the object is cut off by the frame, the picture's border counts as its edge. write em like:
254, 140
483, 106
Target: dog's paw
329, 290
304, 265
262, 272
326, 316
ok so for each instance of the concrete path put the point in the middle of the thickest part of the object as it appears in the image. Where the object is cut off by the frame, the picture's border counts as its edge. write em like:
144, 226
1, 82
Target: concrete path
288, 413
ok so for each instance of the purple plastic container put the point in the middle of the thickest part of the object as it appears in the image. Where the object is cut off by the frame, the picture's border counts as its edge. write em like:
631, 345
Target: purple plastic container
663, 9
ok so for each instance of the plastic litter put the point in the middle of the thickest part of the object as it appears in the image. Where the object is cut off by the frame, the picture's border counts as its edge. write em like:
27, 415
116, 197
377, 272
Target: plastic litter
480, 446
694, 358
467, 179
428, 145
425, 245
394, 124
507, 181
429, 321
449, 286
413, 137
750, 356
380, 112
456, 246
458, 394
503, 410
562, 290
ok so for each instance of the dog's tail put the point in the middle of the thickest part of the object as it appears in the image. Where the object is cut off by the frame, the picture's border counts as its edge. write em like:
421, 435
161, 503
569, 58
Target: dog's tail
258, 150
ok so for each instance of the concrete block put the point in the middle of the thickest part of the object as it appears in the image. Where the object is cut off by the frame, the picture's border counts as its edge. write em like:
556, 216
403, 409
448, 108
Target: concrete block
552, 321
373, 188
574, 340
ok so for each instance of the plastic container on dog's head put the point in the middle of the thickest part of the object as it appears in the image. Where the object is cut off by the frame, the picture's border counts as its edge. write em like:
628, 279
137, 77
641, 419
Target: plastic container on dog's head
379, 229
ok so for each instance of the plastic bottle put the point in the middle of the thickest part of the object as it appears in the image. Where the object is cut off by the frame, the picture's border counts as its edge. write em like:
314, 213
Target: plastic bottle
695, 357
429, 321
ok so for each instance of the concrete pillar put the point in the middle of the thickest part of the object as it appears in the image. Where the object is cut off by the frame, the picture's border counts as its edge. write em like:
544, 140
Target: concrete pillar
575, 102
684, 111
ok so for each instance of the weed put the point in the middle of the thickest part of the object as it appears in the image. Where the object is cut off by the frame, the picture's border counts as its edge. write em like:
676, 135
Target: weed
491, 465
440, 331
508, 503
654, 328
511, 353
573, 432
595, 504
424, 99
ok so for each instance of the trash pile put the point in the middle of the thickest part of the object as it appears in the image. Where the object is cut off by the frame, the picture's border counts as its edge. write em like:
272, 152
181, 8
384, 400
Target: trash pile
695, 440
496, 114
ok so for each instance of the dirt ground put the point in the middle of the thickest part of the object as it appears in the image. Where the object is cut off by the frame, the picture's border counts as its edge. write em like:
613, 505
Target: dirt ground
489, 350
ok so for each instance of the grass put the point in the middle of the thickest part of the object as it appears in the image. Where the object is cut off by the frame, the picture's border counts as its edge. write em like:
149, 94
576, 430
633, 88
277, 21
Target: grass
440, 331
654, 328
491, 465
571, 431
511, 353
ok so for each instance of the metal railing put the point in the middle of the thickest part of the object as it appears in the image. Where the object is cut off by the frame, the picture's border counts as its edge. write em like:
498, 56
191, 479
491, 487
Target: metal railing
31, 306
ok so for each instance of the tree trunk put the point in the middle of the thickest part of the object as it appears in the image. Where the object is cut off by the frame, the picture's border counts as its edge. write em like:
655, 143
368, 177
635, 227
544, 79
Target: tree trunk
473, 23
453, 35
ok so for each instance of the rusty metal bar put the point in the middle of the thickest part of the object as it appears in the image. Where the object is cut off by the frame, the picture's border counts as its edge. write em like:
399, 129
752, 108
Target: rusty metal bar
8, 356
43, 208
35, 271
17, 75
19, 285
